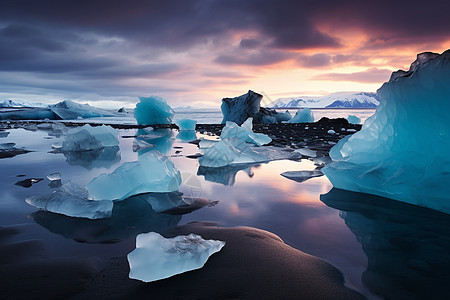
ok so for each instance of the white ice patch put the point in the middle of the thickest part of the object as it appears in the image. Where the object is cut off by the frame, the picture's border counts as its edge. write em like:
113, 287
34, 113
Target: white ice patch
244, 133
156, 257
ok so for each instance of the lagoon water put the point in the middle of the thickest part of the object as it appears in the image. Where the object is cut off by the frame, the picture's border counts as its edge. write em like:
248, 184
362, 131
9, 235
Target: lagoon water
384, 248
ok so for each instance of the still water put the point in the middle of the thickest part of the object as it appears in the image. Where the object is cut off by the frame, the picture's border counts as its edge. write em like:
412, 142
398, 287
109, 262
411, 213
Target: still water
385, 249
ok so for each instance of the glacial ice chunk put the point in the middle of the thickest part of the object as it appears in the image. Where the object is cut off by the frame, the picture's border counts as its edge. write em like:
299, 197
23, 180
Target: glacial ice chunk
156, 257
235, 151
239, 109
186, 124
244, 133
352, 119
153, 172
307, 152
90, 138
69, 110
54, 176
72, 200
303, 115
402, 151
153, 110
301, 176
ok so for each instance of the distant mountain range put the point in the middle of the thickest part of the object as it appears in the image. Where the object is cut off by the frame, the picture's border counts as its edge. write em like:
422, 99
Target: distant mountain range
334, 100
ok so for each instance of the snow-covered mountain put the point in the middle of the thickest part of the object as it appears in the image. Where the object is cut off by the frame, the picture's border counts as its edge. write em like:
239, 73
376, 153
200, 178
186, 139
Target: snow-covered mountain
11, 103
334, 100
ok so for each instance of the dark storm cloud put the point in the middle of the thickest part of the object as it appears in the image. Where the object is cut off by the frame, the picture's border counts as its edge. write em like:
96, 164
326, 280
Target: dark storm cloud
373, 75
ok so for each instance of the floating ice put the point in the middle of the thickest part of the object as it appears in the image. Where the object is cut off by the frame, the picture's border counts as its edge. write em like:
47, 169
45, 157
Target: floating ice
44, 126
89, 138
235, 151
72, 200
187, 135
303, 115
4, 134
152, 173
239, 109
156, 257
54, 176
301, 176
244, 133
205, 143
153, 110
402, 151
331, 131
352, 119
186, 124
7, 146
307, 152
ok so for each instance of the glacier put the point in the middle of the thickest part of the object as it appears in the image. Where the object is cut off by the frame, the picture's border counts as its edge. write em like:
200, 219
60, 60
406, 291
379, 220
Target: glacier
72, 200
153, 110
87, 138
402, 151
156, 257
153, 172
186, 124
303, 115
244, 133
334, 100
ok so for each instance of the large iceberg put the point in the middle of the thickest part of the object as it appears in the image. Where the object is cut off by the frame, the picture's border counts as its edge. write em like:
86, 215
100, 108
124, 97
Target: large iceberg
153, 110
352, 119
68, 110
303, 115
90, 138
244, 133
402, 151
153, 172
239, 109
156, 257
72, 200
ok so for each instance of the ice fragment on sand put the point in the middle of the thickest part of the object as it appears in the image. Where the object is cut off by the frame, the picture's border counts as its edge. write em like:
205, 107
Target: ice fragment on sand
153, 110
395, 155
156, 257
72, 200
303, 115
90, 138
352, 119
244, 133
186, 124
153, 172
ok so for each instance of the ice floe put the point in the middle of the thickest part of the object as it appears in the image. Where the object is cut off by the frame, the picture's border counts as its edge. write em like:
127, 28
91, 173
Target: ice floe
153, 110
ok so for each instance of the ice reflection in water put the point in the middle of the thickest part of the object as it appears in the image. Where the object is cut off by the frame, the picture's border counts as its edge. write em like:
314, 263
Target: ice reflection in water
407, 246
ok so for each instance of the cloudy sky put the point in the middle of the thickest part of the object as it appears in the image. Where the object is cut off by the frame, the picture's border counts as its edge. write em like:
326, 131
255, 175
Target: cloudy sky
195, 52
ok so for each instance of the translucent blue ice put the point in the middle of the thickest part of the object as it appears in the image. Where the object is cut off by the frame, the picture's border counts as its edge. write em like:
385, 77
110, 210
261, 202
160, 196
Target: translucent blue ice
156, 257
186, 124
153, 110
90, 138
153, 172
402, 151
72, 200
352, 119
303, 115
244, 133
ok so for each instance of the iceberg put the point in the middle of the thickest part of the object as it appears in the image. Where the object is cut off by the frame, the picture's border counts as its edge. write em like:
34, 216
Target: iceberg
352, 119
153, 110
244, 133
72, 200
156, 257
303, 115
90, 138
239, 109
153, 172
186, 124
69, 110
402, 151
